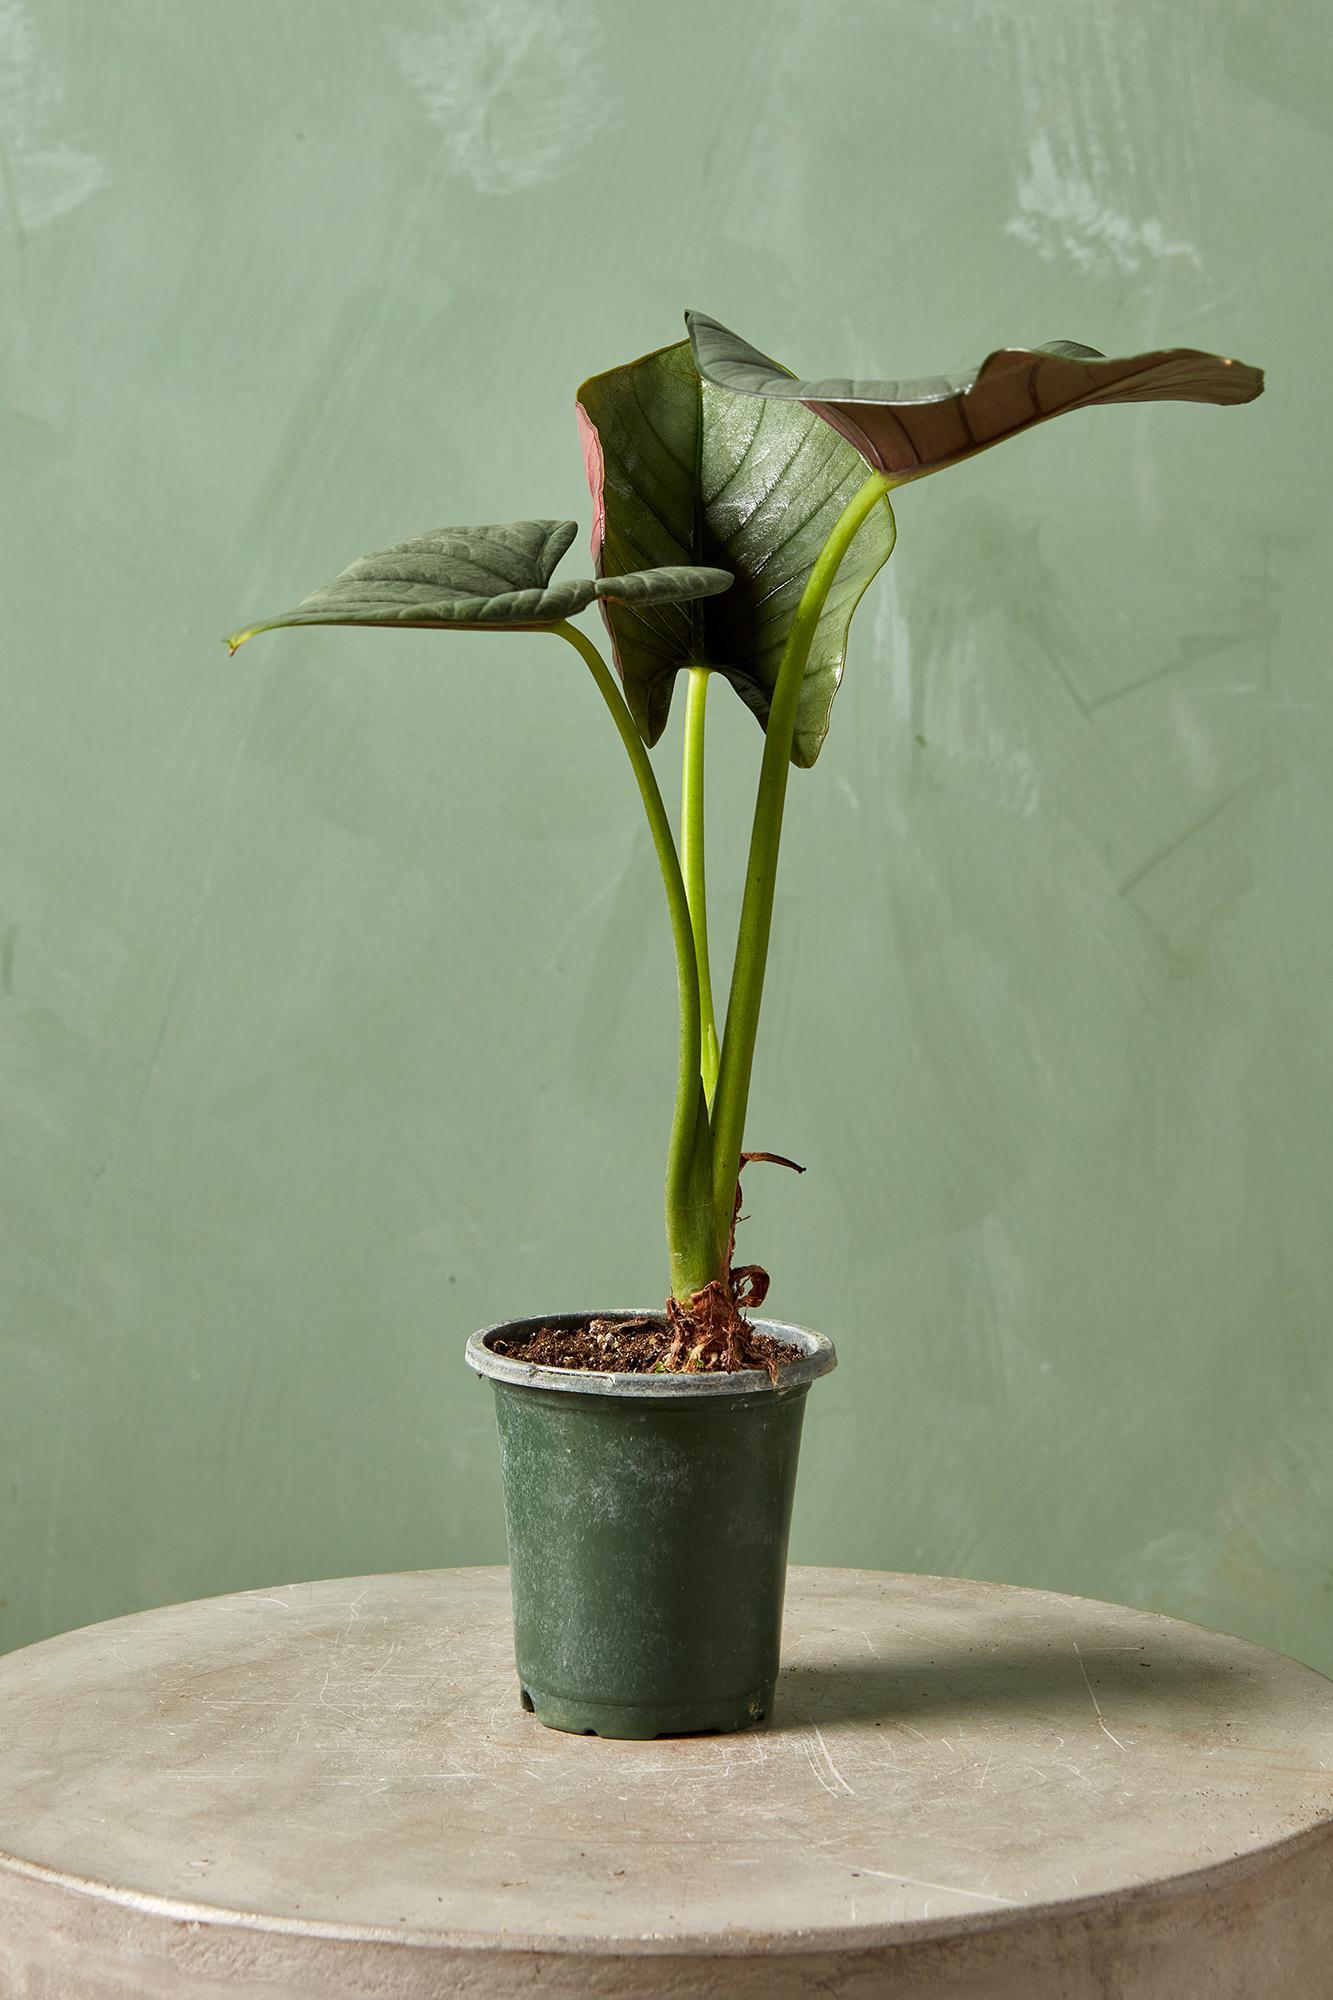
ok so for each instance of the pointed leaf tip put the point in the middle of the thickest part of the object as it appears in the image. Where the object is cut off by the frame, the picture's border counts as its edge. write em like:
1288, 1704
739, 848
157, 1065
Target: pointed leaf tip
668, 583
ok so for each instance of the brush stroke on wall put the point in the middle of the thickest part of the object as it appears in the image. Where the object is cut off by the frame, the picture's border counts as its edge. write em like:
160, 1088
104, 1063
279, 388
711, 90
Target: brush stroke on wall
336, 1002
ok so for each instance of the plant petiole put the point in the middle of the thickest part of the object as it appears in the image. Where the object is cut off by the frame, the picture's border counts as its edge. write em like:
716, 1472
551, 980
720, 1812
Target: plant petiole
747, 978
693, 865
695, 1248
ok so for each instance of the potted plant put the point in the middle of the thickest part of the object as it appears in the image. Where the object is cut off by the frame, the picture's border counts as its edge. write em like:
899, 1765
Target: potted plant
739, 515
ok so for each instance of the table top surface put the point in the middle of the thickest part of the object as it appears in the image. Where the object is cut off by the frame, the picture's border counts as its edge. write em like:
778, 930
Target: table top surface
350, 1758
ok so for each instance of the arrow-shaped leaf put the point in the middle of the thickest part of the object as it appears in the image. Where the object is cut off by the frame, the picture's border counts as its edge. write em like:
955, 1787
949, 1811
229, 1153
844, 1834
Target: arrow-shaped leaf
684, 472
911, 428
475, 578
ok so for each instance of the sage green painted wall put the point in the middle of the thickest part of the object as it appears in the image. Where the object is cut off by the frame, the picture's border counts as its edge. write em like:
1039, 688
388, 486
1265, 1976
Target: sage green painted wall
337, 1012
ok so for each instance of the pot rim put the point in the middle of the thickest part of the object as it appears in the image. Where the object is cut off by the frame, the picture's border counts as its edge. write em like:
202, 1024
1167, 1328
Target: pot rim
818, 1357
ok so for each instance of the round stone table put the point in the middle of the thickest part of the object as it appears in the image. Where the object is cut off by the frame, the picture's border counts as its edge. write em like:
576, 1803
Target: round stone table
966, 1791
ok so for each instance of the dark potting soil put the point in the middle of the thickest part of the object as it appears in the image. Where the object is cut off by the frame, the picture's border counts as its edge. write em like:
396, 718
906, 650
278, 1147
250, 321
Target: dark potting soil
626, 1347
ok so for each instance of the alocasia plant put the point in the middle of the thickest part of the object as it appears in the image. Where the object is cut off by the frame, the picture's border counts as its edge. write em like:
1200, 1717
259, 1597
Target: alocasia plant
739, 515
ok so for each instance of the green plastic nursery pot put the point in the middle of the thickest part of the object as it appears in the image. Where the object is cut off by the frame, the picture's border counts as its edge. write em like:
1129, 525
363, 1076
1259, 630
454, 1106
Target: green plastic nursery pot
647, 1518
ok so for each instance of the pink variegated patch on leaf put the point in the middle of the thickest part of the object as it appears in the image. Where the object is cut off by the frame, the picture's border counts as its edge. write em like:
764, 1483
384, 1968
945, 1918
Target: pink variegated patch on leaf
594, 465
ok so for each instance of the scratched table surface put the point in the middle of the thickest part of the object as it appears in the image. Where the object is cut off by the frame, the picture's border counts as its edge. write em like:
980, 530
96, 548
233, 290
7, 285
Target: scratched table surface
288, 1784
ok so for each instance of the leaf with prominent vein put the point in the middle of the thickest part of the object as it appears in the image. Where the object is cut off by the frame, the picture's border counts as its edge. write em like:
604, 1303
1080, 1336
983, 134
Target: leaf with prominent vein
910, 428
684, 472
478, 578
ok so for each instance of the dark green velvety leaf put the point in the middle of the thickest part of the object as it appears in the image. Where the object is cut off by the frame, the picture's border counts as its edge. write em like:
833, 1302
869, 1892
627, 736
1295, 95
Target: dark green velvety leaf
910, 428
685, 472
474, 578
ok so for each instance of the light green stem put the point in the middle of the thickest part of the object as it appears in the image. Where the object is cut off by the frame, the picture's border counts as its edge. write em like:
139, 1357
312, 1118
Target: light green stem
695, 1251
747, 978
693, 865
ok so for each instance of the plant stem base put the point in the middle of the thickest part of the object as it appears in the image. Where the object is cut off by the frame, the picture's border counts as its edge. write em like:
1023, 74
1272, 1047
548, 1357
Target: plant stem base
639, 1721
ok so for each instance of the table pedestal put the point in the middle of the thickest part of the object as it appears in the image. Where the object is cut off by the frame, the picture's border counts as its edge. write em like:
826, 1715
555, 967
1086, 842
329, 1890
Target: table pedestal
966, 1791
